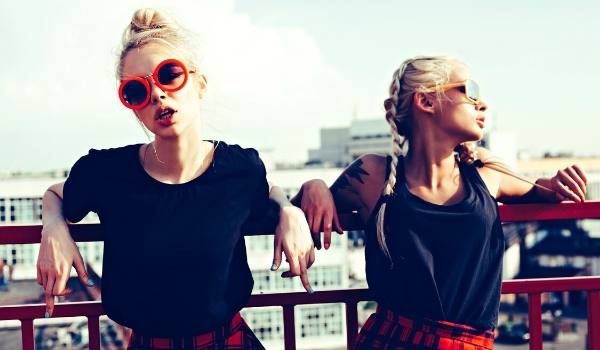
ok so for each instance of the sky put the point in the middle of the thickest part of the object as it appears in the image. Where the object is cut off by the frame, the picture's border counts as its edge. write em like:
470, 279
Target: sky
279, 71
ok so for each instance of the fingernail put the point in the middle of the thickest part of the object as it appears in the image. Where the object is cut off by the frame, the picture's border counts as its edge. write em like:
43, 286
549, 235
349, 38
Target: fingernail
326, 246
90, 282
273, 267
310, 290
46, 314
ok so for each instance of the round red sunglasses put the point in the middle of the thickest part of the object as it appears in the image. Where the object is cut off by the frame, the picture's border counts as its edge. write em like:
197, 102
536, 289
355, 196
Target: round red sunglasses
169, 75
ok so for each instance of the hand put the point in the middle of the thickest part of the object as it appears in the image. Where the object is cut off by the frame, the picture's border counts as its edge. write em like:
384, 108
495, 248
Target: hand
318, 206
292, 236
569, 184
58, 252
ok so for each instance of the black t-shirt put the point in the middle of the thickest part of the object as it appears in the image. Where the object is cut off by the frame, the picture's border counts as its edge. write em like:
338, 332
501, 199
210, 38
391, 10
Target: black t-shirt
174, 254
447, 259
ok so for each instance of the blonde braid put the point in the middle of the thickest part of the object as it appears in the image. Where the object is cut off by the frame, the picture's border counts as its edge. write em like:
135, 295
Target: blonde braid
393, 117
414, 75
467, 152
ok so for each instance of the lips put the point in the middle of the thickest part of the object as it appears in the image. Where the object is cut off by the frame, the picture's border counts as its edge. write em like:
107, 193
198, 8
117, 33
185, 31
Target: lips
480, 121
164, 116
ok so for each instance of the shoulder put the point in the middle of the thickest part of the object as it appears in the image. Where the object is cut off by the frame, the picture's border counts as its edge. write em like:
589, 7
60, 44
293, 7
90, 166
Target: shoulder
101, 158
366, 176
490, 177
238, 159
376, 164
367, 170
111, 153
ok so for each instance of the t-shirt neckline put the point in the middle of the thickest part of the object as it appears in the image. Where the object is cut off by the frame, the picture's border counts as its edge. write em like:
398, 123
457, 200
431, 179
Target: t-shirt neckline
198, 178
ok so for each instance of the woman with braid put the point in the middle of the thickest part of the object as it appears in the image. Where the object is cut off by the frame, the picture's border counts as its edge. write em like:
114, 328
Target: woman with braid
434, 242
176, 207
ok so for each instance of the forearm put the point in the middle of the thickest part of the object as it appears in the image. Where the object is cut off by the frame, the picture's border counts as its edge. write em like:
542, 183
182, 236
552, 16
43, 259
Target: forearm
543, 192
277, 195
538, 193
52, 205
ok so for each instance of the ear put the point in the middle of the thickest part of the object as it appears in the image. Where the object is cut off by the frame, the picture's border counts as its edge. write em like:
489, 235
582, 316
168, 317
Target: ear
202, 83
424, 102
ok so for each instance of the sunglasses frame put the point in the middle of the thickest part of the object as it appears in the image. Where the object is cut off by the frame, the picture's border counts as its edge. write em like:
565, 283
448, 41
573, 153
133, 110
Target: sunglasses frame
145, 81
464, 83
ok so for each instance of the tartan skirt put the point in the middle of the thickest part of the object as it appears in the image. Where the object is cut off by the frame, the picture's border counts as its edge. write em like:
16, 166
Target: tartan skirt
387, 330
236, 335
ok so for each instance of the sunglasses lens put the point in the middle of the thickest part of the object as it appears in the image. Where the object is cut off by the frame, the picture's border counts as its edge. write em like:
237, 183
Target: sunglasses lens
134, 92
472, 90
171, 75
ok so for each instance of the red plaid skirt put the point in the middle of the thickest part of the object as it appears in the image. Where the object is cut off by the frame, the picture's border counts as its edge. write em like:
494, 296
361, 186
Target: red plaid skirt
388, 330
237, 335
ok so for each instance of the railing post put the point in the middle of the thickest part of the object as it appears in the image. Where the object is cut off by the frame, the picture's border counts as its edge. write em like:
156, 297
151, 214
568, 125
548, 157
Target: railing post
27, 334
94, 332
535, 321
289, 327
351, 323
593, 303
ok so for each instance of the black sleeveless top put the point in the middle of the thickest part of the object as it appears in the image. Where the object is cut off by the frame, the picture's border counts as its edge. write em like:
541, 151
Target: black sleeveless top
446, 259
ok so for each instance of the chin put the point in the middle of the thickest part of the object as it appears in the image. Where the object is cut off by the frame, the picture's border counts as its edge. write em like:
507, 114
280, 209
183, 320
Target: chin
476, 134
471, 137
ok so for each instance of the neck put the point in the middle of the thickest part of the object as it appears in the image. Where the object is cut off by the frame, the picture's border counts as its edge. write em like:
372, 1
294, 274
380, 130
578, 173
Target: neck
430, 161
178, 159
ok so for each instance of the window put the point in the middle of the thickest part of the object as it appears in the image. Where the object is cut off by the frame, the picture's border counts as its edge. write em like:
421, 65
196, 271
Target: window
320, 320
266, 323
24, 210
2, 210
262, 281
326, 277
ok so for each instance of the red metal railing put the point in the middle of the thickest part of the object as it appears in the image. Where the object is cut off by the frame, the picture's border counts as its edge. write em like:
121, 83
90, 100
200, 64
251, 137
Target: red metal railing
511, 213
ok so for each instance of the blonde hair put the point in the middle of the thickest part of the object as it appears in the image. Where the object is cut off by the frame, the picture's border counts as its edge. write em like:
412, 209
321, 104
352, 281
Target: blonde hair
414, 75
154, 26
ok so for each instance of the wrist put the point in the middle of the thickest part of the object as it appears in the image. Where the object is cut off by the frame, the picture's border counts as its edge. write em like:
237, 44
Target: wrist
50, 223
289, 209
544, 190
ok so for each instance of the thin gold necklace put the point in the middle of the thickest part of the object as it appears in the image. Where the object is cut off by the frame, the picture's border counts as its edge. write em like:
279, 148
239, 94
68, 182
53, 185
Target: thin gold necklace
163, 163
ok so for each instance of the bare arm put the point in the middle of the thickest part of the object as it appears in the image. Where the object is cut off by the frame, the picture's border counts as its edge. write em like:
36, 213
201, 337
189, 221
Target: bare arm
58, 252
356, 190
293, 238
509, 187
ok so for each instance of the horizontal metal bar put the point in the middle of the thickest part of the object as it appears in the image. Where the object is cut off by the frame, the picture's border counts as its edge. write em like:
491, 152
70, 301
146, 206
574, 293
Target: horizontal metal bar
27, 234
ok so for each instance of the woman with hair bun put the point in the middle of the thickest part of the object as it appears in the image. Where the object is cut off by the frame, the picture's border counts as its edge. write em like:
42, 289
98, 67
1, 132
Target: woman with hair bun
434, 241
173, 211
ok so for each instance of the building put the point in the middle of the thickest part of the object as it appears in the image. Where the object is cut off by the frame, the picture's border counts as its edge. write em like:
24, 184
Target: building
369, 136
340, 146
334, 148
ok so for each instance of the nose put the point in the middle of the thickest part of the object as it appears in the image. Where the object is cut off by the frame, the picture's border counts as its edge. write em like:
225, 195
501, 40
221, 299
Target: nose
156, 93
481, 106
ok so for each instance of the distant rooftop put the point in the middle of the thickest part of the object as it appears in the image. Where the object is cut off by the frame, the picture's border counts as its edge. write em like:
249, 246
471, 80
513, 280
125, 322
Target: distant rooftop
369, 127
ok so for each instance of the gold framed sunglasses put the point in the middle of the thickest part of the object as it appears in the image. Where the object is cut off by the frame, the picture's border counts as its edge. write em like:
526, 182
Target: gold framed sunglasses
468, 87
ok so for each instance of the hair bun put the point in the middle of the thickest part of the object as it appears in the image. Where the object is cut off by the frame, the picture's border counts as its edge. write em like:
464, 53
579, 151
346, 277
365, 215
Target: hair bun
149, 19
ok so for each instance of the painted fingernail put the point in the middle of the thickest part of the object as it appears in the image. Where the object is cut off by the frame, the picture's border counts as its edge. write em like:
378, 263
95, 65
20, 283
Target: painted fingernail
46, 314
273, 267
310, 290
90, 282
